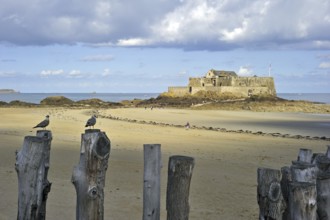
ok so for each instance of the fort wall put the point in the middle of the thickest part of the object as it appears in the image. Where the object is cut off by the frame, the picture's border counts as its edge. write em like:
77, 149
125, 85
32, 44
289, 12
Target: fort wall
234, 90
195, 82
231, 83
224, 81
179, 90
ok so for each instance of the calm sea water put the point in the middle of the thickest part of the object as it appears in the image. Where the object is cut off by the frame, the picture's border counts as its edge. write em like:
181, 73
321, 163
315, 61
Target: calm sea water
109, 97
313, 97
117, 97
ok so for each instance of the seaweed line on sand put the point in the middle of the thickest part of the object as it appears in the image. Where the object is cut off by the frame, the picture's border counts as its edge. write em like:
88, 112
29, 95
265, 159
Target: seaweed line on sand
323, 138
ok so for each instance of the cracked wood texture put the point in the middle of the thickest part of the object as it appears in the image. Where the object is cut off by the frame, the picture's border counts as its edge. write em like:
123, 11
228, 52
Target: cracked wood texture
302, 201
151, 181
323, 185
89, 175
269, 194
32, 164
180, 169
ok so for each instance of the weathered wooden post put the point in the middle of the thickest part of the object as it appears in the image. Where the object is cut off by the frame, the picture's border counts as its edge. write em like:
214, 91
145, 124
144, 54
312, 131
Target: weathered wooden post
323, 185
89, 175
285, 182
303, 172
323, 195
302, 201
151, 182
270, 199
305, 155
180, 170
305, 186
32, 164
302, 190
322, 162
328, 152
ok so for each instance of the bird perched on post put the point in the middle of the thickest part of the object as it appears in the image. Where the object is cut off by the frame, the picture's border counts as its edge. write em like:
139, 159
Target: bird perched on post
44, 123
91, 122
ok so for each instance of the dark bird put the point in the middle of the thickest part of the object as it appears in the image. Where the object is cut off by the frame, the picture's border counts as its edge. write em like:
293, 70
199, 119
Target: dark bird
91, 122
44, 123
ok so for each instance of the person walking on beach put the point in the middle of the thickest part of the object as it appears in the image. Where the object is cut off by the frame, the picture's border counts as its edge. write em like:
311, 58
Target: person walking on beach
187, 126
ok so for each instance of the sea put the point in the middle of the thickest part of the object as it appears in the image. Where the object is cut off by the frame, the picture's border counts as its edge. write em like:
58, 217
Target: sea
117, 97
312, 97
108, 97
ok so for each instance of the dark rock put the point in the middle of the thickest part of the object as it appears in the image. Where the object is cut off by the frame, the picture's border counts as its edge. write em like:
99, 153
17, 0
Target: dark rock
21, 103
56, 100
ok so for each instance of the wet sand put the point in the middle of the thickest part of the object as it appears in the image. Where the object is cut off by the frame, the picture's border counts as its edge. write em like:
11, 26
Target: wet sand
224, 179
304, 124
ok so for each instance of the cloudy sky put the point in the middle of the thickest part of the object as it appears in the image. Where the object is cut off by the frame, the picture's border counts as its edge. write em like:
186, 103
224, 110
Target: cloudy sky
148, 45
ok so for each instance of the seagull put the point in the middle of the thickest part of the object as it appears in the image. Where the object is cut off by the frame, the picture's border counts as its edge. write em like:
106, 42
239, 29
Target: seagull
91, 122
44, 123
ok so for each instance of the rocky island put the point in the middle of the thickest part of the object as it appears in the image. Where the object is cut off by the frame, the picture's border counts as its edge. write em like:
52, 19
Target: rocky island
7, 91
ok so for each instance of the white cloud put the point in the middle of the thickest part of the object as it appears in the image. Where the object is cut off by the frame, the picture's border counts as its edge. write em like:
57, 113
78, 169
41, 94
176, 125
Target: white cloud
183, 73
234, 34
75, 74
193, 20
325, 65
134, 42
8, 74
245, 71
95, 58
46, 73
196, 24
106, 72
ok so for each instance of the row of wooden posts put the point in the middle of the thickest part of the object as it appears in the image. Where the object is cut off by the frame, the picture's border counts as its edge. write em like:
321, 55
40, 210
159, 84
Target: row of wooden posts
297, 192
88, 178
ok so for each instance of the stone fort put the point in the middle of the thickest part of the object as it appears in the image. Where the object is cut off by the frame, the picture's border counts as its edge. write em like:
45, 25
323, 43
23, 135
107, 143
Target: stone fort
227, 82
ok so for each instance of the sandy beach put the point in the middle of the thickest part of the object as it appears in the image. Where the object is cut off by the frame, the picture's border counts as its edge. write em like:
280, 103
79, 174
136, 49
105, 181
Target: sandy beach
224, 181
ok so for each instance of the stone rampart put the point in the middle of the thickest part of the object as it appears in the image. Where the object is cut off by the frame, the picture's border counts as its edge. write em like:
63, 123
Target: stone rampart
179, 90
234, 90
254, 82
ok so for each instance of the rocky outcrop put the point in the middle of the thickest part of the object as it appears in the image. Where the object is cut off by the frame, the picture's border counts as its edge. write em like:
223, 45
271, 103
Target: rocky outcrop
57, 101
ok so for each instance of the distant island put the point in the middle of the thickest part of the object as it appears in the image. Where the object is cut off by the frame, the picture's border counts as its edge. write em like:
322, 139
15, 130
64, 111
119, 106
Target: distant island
6, 91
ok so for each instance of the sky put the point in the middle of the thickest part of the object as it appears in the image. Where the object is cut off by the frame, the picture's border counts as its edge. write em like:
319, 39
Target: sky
110, 46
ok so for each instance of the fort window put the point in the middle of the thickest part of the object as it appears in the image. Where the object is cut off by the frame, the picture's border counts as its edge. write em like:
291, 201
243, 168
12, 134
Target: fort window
190, 89
203, 84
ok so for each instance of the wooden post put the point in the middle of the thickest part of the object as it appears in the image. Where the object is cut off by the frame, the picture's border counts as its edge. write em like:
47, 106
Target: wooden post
151, 182
305, 155
285, 181
180, 170
303, 172
89, 175
328, 152
323, 195
270, 199
302, 201
323, 185
32, 164
322, 162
